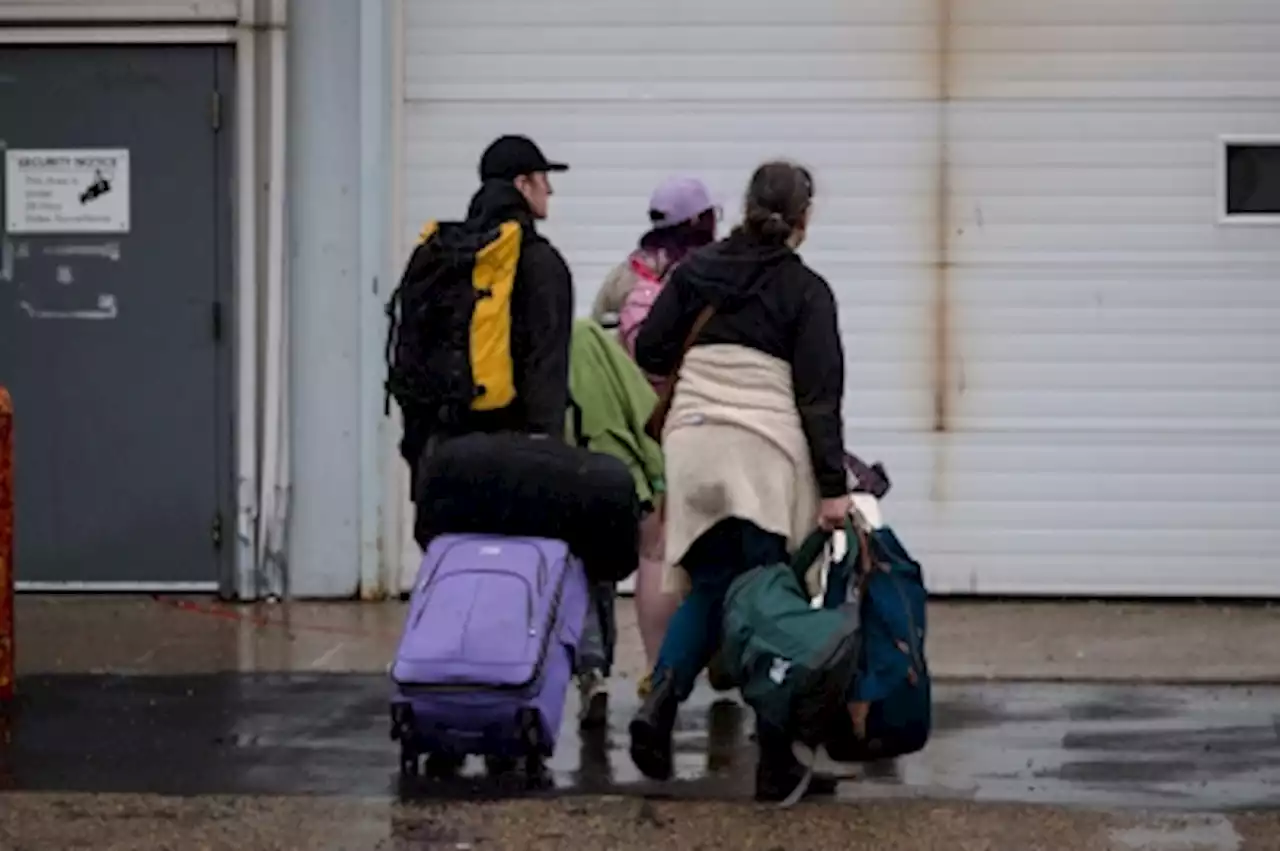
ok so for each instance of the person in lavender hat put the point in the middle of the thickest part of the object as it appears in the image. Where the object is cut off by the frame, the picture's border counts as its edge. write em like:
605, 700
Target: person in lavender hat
682, 217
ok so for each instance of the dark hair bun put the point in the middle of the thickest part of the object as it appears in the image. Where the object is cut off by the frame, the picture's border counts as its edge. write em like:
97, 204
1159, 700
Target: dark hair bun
778, 197
769, 227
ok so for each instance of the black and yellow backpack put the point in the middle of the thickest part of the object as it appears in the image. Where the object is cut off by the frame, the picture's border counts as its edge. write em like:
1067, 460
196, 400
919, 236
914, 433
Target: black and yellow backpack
448, 347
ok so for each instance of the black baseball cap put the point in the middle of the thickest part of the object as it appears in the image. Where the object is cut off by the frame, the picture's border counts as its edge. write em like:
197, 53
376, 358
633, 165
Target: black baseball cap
508, 157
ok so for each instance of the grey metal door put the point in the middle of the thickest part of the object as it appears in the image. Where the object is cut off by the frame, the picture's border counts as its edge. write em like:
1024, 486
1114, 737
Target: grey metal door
115, 270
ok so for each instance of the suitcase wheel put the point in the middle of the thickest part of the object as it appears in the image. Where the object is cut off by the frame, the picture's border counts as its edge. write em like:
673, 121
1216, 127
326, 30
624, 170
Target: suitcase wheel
531, 734
530, 728
409, 761
401, 724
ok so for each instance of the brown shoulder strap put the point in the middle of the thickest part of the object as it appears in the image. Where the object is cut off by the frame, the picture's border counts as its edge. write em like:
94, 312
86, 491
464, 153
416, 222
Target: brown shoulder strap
658, 418
704, 316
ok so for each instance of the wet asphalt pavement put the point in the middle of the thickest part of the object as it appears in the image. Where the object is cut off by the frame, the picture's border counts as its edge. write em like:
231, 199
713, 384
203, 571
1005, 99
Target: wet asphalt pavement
1202, 749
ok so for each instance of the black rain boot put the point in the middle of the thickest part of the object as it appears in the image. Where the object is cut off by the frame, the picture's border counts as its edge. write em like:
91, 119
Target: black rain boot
779, 773
652, 728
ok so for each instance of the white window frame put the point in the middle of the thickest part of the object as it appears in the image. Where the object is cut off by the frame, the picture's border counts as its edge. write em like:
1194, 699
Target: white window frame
1238, 219
117, 12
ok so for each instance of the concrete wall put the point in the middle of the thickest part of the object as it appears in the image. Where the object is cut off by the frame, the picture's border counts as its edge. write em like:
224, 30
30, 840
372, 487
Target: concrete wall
324, 241
338, 85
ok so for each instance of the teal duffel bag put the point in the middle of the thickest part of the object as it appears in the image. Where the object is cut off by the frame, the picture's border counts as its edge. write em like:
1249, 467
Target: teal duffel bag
792, 662
851, 675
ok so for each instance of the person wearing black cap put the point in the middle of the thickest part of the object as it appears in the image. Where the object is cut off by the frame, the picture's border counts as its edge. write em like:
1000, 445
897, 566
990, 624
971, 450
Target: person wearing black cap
515, 186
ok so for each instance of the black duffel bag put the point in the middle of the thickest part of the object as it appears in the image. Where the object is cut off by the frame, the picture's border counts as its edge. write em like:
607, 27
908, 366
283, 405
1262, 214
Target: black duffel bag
517, 484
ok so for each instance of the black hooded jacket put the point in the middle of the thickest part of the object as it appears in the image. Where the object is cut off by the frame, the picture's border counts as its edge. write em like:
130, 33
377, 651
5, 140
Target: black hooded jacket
768, 300
541, 320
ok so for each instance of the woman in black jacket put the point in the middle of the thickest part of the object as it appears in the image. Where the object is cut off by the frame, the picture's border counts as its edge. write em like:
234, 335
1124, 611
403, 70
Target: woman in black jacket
753, 441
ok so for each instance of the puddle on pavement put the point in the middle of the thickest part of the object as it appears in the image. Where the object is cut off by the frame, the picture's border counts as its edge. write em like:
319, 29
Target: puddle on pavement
1207, 748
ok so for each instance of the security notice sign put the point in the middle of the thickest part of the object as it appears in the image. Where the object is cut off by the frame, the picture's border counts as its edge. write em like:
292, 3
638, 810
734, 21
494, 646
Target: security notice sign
73, 190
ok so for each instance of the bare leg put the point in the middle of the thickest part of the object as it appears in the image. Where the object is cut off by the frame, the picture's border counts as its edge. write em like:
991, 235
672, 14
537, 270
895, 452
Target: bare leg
654, 608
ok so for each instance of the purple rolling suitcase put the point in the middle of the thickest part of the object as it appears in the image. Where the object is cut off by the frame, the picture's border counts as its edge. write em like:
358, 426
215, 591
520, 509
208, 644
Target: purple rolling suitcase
487, 652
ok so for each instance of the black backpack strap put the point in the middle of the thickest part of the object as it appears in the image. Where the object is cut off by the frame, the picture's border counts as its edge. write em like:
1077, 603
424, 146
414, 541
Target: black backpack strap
391, 311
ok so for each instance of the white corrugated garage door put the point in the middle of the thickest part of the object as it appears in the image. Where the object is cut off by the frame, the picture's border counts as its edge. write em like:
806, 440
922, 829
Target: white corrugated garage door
629, 93
1110, 413
1116, 369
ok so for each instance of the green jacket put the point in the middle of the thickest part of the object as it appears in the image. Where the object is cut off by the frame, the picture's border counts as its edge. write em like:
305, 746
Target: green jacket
615, 399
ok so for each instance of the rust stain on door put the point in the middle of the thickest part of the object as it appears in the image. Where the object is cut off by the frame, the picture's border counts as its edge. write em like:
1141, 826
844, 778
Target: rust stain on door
942, 259
942, 248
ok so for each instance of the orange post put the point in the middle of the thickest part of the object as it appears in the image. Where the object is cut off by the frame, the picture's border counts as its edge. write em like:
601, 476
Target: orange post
6, 546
